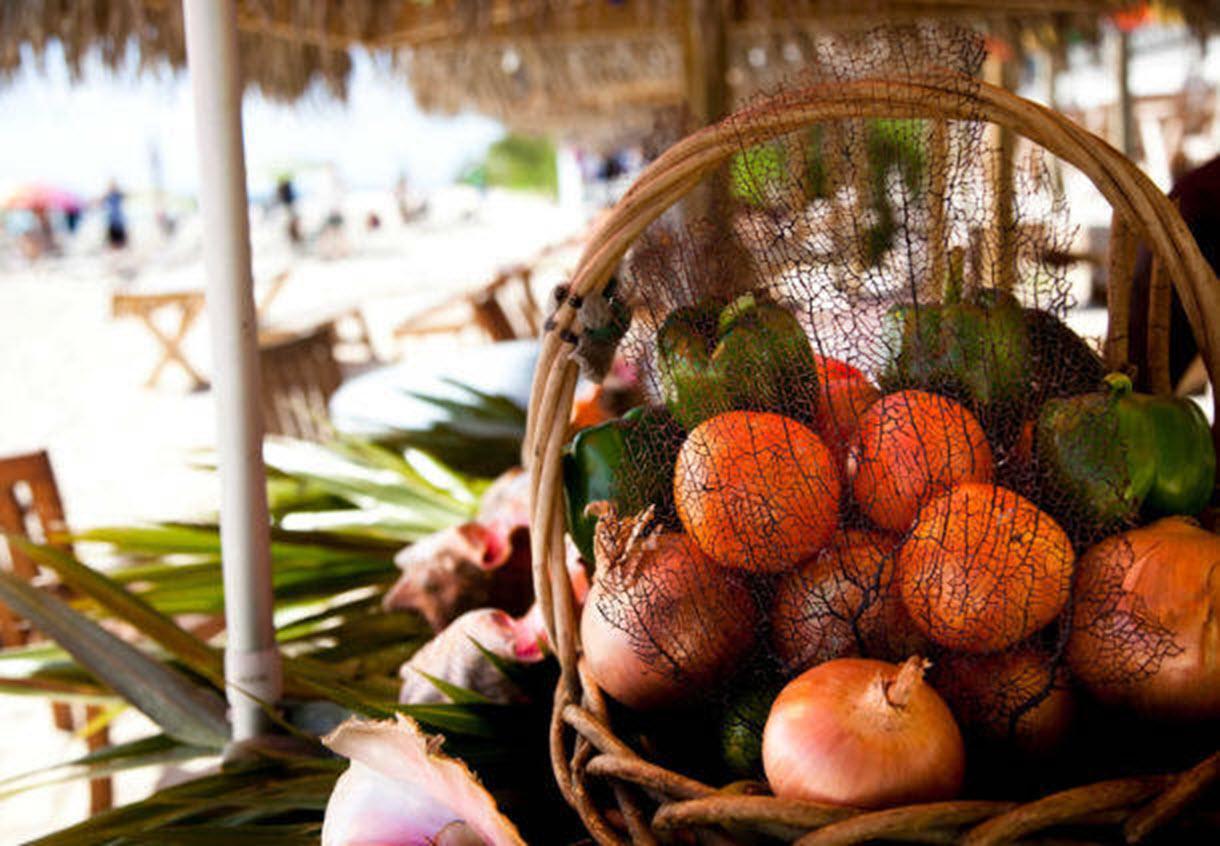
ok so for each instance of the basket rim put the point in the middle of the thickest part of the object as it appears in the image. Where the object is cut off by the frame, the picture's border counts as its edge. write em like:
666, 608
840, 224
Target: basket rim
580, 708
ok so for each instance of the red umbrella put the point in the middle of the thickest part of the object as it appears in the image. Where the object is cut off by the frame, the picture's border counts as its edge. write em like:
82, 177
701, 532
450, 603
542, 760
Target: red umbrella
34, 196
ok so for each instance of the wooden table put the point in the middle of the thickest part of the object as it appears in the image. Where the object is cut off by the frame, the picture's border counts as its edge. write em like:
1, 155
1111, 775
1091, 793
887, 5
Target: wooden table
185, 306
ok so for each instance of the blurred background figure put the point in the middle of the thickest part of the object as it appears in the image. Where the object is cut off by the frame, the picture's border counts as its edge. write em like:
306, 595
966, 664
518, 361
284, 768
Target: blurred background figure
31, 209
409, 208
332, 239
72, 215
286, 196
116, 220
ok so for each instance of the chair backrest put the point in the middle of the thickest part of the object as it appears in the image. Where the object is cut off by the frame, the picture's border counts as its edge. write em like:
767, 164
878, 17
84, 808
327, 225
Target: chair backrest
506, 309
299, 374
29, 507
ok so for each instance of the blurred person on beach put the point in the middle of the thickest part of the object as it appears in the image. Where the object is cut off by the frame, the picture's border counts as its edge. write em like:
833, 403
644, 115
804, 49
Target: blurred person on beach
286, 196
34, 234
332, 240
408, 209
46, 231
72, 216
116, 220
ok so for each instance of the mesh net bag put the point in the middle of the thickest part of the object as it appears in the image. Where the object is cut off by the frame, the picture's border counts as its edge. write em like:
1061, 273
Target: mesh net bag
874, 450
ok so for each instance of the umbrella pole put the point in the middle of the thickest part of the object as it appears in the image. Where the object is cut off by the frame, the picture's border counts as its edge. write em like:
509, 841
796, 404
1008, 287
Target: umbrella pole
252, 662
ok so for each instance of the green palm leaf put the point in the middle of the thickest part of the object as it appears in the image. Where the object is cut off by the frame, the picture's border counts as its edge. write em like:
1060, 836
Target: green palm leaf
234, 799
157, 750
126, 606
184, 710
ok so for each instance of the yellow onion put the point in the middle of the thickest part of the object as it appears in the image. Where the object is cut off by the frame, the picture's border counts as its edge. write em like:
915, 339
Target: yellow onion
662, 623
1146, 621
865, 733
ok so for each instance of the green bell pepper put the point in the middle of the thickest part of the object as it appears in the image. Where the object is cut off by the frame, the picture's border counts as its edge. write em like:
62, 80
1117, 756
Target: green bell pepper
1105, 456
747, 355
1185, 454
976, 350
628, 461
692, 388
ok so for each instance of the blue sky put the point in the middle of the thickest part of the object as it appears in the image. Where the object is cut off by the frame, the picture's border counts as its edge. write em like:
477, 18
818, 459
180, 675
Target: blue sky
82, 135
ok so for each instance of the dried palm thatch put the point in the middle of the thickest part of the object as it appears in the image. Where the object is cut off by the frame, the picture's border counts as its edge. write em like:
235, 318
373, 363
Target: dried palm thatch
150, 37
533, 63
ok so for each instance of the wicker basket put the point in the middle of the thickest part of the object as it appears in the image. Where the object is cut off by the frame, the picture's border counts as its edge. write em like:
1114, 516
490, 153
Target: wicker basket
584, 748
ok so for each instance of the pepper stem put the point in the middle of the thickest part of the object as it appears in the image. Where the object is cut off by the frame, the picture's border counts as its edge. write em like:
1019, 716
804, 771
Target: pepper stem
956, 280
730, 313
899, 691
1119, 384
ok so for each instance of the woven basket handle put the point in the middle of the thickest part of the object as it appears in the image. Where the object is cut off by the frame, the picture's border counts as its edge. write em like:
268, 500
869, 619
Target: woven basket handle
1145, 212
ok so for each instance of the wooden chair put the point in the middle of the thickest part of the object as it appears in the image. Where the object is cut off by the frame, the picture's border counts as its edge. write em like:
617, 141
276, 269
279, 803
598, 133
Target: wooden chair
299, 374
30, 507
502, 310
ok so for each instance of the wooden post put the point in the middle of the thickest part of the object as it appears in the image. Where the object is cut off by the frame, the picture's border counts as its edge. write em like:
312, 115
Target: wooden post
1002, 260
1053, 62
252, 659
705, 55
1124, 135
1160, 310
705, 49
938, 231
1121, 269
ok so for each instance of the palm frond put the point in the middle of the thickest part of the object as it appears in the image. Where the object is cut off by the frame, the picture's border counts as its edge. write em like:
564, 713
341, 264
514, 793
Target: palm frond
182, 709
157, 750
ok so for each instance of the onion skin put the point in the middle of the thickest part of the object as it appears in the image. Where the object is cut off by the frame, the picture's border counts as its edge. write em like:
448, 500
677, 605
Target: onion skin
663, 623
988, 692
862, 733
1146, 621
843, 602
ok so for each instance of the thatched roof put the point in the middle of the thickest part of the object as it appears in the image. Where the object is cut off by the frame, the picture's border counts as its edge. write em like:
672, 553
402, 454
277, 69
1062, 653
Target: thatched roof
529, 62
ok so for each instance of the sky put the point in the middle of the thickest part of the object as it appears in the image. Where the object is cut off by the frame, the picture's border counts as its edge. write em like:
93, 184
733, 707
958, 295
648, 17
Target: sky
82, 135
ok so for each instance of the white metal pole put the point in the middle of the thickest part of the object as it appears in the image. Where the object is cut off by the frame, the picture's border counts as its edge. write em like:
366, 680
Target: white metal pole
252, 662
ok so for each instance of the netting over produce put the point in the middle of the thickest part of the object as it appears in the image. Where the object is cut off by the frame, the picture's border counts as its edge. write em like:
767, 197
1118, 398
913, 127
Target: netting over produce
870, 433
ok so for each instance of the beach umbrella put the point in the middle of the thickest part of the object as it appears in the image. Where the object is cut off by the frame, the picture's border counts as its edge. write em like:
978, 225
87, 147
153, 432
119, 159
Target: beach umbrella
33, 196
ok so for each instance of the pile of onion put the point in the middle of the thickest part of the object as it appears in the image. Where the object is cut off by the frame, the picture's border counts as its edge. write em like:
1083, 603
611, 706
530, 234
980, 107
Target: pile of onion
663, 623
864, 733
1146, 621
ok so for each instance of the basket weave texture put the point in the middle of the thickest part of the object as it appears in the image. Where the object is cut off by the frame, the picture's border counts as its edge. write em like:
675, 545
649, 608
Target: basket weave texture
584, 748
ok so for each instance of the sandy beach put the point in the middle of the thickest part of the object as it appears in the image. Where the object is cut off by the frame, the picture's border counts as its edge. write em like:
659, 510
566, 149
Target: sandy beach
73, 381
